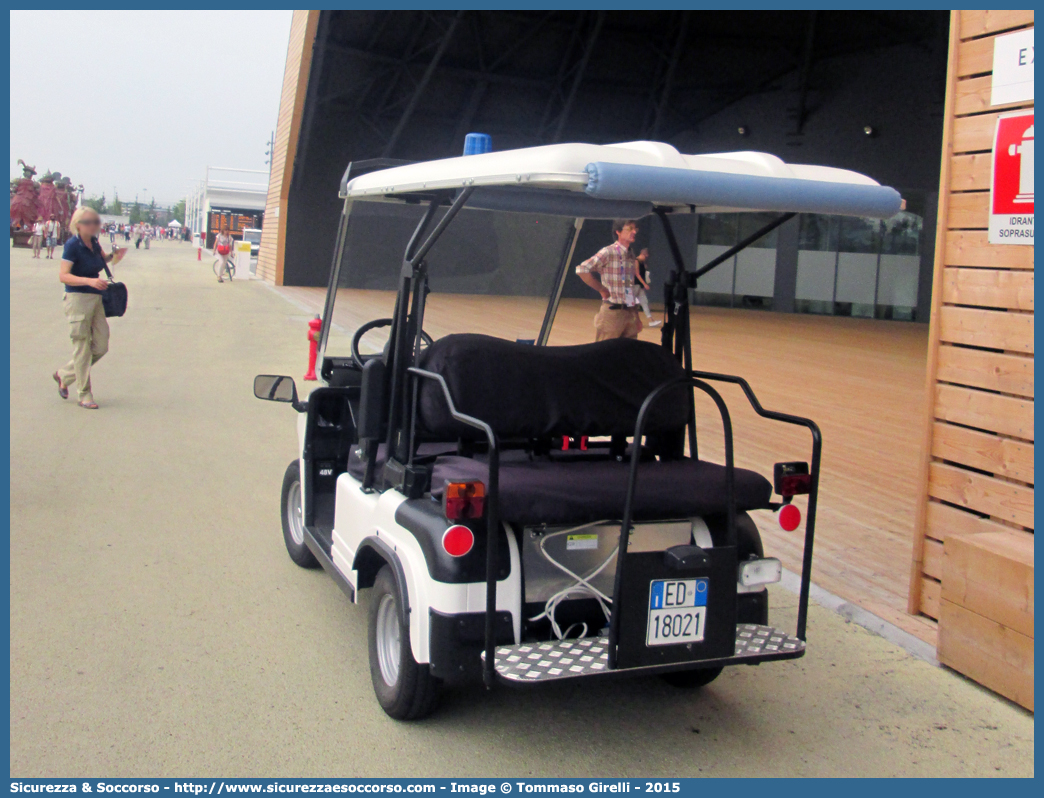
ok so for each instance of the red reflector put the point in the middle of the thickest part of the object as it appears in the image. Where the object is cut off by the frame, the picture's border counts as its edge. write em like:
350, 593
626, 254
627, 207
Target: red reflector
457, 540
789, 517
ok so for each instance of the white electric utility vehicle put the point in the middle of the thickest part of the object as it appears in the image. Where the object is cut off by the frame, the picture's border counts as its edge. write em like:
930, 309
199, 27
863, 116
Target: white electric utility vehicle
448, 477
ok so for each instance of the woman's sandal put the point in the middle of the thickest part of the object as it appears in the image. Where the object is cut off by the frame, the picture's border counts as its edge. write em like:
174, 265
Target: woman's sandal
62, 391
88, 405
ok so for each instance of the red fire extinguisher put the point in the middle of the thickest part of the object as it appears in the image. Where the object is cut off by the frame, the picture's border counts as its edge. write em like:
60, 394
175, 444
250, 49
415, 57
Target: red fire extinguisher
313, 346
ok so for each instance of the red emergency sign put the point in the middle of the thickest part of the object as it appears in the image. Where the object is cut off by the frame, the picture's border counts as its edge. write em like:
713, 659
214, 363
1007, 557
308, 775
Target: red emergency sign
1011, 186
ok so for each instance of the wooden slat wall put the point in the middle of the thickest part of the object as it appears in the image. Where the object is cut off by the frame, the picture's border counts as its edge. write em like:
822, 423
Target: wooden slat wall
979, 421
978, 450
288, 125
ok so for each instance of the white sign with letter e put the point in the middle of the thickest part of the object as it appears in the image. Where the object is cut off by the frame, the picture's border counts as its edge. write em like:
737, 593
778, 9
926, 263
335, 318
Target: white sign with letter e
1012, 68
1011, 182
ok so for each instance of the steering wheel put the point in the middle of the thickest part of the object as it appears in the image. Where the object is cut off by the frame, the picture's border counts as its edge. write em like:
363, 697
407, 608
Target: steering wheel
360, 359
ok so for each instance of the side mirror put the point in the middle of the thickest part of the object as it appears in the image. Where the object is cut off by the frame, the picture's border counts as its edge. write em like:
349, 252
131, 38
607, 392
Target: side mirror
274, 388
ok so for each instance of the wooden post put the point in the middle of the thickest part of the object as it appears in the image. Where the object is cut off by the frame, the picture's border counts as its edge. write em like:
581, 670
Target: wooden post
942, 216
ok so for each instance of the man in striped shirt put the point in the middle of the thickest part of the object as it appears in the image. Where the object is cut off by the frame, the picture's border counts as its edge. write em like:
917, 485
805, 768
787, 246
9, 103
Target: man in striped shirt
616, 268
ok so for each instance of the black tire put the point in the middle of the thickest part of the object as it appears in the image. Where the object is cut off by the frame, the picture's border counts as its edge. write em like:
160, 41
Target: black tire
404, 689
700, 677
293, 518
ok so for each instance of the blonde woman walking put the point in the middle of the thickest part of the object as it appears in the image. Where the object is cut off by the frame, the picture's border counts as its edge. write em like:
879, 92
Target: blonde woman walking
80, 270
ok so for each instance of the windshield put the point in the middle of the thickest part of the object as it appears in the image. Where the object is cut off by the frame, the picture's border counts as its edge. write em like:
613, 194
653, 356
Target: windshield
490, 272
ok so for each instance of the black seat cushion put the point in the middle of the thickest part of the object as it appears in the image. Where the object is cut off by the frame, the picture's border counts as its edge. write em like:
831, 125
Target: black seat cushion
525, 391
542, 492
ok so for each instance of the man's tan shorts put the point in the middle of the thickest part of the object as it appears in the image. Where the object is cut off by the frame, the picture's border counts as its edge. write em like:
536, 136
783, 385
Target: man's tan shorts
620, 323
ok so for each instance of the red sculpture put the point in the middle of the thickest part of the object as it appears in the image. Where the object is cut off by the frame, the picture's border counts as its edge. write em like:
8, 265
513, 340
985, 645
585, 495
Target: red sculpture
47, 203
24, 202
53, 195
66, 199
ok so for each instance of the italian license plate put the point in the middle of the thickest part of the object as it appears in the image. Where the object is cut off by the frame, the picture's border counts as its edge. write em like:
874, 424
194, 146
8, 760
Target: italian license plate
677, 611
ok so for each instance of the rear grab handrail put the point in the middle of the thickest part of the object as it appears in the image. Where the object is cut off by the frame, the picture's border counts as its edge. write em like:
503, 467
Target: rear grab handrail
813, 490
492, 517
632, 481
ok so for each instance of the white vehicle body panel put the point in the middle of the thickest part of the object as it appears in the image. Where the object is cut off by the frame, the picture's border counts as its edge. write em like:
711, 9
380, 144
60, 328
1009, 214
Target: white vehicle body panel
359, 515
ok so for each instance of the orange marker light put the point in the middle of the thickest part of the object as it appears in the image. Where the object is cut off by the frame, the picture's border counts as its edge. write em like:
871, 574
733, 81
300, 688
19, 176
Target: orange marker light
464, 500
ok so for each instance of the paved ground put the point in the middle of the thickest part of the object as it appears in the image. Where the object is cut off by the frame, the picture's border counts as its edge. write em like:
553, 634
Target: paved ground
158, 628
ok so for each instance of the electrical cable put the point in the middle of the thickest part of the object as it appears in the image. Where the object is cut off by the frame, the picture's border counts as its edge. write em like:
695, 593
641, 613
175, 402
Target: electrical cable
582, 585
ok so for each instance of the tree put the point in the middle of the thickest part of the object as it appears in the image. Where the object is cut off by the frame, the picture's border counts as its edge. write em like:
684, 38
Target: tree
117, 207
98, 203
178, 211
136, 214
151, 218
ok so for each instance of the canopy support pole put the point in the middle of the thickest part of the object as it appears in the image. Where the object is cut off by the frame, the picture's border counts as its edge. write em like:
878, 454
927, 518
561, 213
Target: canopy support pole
678, 320
560, 278
335, 278
397, 340
400, 341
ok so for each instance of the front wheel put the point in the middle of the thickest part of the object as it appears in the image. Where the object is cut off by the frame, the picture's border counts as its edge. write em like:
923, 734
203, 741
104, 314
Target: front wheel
405, 690
699, 677
292, 506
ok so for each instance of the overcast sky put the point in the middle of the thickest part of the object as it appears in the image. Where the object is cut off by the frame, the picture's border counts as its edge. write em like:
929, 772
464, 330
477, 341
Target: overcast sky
142, 100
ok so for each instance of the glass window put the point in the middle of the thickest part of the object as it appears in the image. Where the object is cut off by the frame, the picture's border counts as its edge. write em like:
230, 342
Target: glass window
718, 228
817, 263
719, 279
901, 235
818, 233
859, 235
481, 252
856, 278
816, 271
716, 235
756, 274
900, 264
750, 223
746, 279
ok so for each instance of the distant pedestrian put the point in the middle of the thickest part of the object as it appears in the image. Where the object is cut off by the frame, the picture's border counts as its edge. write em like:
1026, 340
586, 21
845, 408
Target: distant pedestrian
83, 261
51, 230
222, 248
38, 233
641, 277
112, 235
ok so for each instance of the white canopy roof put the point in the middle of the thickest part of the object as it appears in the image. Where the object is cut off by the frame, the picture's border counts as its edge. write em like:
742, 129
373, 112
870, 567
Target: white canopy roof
174, 223
645, 172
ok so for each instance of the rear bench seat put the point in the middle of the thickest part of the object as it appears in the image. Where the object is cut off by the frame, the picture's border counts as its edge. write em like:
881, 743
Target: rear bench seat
524, 391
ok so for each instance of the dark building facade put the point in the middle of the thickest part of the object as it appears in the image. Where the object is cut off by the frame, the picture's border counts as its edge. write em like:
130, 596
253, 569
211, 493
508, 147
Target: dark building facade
860, 90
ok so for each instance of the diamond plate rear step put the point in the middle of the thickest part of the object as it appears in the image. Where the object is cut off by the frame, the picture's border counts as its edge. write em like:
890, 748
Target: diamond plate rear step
589, 656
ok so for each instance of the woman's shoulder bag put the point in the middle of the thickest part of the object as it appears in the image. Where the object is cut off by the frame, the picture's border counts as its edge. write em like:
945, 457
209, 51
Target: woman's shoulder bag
114, 298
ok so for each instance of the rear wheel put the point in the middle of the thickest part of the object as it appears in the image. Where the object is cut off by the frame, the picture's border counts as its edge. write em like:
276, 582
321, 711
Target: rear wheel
292, 506
692, 679
405, 689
